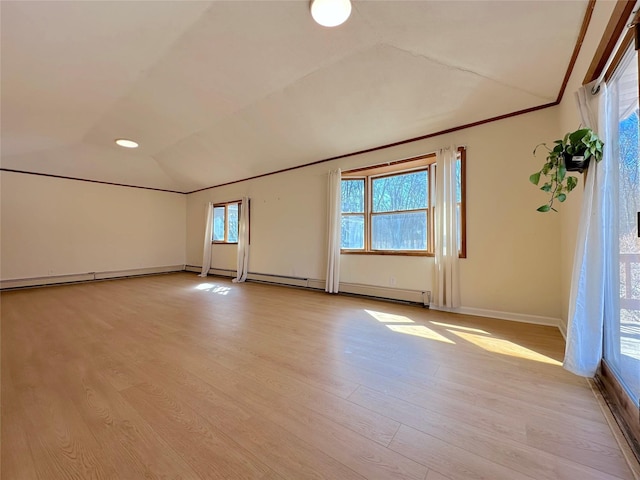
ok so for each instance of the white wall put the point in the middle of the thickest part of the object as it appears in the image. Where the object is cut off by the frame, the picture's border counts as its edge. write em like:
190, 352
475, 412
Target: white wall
512, 250
53, 226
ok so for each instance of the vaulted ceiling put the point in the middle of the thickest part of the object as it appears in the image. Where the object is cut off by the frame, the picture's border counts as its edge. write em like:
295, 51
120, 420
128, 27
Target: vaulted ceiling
224, 90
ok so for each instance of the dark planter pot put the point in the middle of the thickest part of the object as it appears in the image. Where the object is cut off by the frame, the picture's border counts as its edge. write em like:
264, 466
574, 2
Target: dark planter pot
575, 163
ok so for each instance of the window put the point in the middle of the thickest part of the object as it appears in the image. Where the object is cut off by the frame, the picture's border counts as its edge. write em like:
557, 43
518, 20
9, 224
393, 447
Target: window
225, 222
390, 208
621, 342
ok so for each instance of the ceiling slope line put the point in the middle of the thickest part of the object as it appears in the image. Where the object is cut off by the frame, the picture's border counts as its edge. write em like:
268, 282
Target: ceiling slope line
145, 71
388, 145
78, 179
576, 51
268, 95
465, 70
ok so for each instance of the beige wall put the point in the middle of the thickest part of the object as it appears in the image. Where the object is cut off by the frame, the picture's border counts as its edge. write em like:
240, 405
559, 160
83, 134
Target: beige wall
511, 247
54, 226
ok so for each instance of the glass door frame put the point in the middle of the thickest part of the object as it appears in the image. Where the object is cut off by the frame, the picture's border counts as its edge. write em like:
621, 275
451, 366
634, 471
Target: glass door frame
624, 409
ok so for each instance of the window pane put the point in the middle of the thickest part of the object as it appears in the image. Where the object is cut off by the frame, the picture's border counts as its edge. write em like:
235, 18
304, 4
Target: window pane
399, 231
218, 224
458, 181
621, 326
352, 196
400, 192
459, 229
232, 211
352, 231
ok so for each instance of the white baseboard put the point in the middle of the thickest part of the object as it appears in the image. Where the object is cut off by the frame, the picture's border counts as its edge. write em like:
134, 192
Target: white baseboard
516, 317
85, 277
563, 329
414, 296
192, 268
317, 284
222, 272
279, 279
138, 271
256, 277
42, 281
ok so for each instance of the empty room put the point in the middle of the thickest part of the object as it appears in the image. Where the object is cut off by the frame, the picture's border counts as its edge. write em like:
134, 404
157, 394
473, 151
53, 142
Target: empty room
328, 239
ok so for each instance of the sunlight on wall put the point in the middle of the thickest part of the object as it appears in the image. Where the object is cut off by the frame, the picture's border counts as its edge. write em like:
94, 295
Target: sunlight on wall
213, 288
504, 347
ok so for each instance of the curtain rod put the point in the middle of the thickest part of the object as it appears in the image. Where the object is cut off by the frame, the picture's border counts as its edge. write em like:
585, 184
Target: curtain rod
630, 23
397, 162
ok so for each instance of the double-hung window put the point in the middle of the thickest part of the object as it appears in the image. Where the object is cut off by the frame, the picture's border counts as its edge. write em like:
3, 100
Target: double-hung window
225, 222
389, 209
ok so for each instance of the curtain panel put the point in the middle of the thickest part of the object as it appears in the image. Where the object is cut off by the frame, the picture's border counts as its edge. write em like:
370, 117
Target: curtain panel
208, 237
334, 217
446, 288
594, 263
243, 242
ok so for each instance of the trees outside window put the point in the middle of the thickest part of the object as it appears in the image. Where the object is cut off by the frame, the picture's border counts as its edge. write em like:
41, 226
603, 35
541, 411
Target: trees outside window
389, 208
225, 222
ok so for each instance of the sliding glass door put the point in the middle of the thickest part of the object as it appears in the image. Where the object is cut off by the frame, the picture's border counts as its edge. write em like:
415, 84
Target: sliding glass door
622, 326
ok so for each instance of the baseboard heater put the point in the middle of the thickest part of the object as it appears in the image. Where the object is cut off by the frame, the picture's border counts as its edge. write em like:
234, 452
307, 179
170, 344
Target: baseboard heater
387, 293
86, 277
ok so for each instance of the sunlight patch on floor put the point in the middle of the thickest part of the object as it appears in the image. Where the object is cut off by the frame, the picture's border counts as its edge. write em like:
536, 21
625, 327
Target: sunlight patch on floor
458, 327
504, 347
213, 288
409, 327
419, 331
389, 317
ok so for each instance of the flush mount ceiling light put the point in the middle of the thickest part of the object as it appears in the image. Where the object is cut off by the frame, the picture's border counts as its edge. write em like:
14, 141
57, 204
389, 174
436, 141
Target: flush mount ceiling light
126, 143
330, 13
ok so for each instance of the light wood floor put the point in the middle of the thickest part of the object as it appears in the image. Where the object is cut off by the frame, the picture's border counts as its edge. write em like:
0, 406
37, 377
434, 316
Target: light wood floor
175, 376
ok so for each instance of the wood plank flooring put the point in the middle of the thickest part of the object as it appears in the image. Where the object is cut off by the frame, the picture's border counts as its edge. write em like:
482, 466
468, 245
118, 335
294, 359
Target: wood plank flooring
179, 377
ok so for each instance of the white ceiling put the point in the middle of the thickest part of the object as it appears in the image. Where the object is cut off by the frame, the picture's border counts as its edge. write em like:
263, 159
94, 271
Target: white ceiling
224, 90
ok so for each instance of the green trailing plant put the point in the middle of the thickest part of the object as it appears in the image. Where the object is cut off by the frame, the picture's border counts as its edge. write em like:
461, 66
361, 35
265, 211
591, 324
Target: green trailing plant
571, 154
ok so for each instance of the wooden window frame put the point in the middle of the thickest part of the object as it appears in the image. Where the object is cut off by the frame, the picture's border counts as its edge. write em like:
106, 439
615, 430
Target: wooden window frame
226, 221
403, 167
370, 179
462, 152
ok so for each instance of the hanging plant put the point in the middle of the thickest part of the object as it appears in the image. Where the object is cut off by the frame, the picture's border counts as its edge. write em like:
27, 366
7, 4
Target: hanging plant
571, 154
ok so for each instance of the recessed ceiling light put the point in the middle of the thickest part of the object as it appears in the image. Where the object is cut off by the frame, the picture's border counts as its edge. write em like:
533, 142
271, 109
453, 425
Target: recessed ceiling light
126, 143
330, 13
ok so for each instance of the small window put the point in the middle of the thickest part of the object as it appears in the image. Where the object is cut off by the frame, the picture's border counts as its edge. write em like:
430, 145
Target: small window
225, 222
353, 213
390, 208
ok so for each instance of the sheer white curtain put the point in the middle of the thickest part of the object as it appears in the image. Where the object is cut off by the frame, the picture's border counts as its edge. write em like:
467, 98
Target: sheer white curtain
334, 229
446, 289
208, 231
594, 260
243, 242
